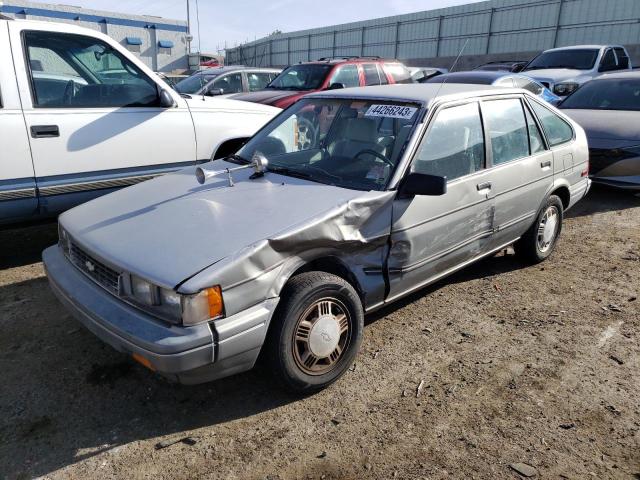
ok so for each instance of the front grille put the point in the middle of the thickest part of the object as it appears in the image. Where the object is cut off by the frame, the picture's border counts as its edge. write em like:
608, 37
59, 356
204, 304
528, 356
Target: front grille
99, 272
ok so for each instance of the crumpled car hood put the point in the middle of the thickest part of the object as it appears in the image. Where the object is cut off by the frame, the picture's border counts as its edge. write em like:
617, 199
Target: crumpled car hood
608, 128
170, 228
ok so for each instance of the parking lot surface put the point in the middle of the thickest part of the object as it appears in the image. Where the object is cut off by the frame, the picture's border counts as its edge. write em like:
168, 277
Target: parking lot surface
501, 367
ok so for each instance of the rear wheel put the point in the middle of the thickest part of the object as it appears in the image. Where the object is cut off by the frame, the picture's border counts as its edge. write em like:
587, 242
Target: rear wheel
539, 241
316, 332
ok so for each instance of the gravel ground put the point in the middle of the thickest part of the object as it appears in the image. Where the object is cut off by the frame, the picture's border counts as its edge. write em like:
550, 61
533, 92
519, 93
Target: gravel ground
498, 365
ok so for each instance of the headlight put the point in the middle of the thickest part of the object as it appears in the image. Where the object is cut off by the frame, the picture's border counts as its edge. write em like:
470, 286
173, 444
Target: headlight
172, 306
565, 89
143, 291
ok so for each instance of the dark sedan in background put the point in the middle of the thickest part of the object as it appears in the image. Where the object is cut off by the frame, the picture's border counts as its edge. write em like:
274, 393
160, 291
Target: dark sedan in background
608, 108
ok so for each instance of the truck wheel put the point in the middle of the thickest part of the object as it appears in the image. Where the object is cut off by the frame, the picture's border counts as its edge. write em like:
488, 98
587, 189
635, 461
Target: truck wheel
315, 333
539, 241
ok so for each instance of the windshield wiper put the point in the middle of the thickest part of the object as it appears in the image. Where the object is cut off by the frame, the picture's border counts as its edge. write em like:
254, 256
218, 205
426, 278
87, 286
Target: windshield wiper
289, 172
237, 159
185, 95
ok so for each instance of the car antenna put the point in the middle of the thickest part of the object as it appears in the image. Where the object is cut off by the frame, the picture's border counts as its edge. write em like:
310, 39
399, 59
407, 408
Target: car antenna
199, 49
452, 67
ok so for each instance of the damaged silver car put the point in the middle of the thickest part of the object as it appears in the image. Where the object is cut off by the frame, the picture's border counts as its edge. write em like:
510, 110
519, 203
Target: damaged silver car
345, 202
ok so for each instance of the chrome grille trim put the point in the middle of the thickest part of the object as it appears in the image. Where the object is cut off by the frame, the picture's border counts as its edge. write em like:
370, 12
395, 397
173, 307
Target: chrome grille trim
104, 276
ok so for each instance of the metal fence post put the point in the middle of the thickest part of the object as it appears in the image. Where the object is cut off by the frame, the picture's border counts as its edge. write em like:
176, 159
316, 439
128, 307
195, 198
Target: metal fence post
397, 40
438, 36
309, 47
490, 28
333, 48
362, 42
555, 33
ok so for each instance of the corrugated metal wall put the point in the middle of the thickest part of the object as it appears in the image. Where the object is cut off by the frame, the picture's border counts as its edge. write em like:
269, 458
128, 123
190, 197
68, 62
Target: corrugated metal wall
489, 28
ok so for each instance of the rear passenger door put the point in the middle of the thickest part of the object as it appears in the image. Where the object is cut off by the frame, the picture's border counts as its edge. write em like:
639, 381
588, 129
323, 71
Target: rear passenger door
521, 166
430, 236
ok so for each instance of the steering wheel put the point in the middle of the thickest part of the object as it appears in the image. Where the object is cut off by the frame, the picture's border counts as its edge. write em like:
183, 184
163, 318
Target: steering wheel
307, 134
375, 154
70, 90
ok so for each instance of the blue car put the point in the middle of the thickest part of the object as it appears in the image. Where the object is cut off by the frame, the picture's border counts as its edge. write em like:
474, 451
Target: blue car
501, 79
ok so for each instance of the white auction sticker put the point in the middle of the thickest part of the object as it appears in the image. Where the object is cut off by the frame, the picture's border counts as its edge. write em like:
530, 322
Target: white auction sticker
391, 111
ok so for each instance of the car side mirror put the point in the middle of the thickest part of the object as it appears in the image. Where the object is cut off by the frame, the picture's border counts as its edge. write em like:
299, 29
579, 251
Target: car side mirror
166, 100
212, 92
423, 184
517, 68
336, 86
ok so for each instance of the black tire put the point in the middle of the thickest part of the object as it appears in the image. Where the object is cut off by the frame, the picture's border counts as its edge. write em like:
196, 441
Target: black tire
529, 247
300, 297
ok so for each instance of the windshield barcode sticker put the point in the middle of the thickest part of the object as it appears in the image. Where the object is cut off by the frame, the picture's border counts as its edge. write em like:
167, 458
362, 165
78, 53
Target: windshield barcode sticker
391, 111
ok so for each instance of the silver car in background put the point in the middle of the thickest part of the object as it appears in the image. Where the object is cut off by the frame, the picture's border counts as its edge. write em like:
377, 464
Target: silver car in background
226, 80
280, 249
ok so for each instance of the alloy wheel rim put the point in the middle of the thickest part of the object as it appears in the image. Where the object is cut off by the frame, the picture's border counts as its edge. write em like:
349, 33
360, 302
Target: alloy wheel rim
321, 336
548, 229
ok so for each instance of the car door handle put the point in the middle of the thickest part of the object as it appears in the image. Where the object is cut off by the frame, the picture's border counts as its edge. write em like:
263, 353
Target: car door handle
45, 131
546, 164
483, 186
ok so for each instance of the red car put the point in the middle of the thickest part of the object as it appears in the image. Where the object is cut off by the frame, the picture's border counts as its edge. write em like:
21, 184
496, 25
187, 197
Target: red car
325, 74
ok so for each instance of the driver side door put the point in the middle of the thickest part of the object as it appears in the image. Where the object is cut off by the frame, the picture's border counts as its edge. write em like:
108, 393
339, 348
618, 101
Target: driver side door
94, 117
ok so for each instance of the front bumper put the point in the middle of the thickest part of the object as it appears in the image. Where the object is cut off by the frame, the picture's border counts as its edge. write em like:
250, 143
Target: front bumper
188, 355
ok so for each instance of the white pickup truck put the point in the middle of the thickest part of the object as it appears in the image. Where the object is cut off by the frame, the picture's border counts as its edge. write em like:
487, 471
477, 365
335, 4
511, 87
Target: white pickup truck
81, 116
564, 70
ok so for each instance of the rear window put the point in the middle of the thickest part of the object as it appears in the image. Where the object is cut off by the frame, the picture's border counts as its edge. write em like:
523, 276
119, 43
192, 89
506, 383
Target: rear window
574, 58
558, 131
398, 72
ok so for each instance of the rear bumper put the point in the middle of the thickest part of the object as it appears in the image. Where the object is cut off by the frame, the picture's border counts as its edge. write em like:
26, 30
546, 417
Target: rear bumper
578, 191
186, 354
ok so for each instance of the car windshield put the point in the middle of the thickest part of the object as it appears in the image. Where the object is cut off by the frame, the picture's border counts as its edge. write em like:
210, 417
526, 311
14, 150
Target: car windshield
574, 58
194, 83
301, 77
610, 94
349, 143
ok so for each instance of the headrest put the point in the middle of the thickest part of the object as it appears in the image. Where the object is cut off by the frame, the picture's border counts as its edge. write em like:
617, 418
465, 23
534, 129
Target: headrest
361, 130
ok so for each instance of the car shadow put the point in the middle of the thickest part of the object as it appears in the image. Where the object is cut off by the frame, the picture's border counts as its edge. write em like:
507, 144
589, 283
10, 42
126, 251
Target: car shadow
602, 198
23, 245
64, 387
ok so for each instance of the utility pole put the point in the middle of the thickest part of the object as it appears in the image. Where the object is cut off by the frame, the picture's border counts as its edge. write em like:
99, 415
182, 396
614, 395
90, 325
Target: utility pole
189, 37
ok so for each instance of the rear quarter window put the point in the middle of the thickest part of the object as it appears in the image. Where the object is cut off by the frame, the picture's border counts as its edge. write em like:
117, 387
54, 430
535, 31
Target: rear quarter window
558, 131
398, 72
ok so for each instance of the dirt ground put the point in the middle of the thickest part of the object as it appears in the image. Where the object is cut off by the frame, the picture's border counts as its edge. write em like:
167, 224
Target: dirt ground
534, 365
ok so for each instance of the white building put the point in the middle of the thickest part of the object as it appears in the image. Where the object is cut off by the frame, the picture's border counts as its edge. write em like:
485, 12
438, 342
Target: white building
159, 42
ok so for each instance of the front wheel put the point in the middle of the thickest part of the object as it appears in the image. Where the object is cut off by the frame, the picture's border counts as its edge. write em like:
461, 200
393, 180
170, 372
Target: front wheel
539, 241
316, 332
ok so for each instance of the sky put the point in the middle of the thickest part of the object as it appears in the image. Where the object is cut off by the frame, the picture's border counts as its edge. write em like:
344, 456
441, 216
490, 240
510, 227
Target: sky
238, 21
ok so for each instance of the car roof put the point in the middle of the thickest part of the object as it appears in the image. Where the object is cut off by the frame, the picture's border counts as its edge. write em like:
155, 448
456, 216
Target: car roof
414, 92
348, 59
229, 68
486, 77
581, 47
